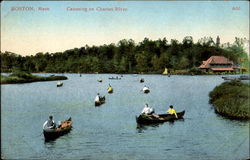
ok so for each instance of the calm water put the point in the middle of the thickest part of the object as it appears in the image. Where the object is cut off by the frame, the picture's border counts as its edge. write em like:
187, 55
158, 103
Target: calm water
110, 131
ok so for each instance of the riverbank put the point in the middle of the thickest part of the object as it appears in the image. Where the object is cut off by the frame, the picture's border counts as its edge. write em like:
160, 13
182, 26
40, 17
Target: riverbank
23, 77
231, 99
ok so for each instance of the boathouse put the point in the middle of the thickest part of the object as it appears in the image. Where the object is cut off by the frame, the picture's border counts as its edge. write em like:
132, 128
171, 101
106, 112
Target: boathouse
218, 64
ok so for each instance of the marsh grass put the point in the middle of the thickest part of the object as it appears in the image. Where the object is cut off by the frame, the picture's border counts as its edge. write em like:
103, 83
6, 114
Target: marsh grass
231, 99
25, 77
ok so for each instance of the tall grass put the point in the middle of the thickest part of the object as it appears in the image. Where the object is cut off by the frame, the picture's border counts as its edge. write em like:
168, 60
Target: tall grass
25, 77
231, 99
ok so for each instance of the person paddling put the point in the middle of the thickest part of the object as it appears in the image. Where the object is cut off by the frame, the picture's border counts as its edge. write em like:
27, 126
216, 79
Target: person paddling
149, 111
110, 89
171, 110
50, 123
97, 98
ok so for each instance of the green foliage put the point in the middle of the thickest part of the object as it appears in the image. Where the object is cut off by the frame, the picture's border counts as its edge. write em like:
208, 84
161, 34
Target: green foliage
231, 99
21, 74
148, 56
24, 77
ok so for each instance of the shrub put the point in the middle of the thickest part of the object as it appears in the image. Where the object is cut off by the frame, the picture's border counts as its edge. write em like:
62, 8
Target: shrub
231, 99
21, 74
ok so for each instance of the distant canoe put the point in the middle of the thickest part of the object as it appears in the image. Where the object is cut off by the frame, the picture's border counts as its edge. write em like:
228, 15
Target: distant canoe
102, 100
99, 80
114, 78
244, 77
231, 78
65, 127
110, 90
145, 119
59, 84
141, 80
145, 90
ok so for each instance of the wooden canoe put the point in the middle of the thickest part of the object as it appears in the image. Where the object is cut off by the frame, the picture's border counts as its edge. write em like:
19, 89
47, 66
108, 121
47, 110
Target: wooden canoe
146, 91
59, 84
102, 100
63, 128
148, 119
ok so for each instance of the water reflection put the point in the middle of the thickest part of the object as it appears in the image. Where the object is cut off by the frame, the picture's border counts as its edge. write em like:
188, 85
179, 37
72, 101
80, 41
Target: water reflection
141, 127
49, 144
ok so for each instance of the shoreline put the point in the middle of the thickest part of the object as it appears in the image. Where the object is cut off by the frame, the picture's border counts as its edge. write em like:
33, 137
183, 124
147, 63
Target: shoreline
19, 80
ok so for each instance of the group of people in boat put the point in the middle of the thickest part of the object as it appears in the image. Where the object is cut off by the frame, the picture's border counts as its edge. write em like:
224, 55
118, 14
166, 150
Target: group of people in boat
149, 111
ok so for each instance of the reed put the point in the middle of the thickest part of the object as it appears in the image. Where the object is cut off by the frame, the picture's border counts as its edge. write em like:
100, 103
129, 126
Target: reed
231, 99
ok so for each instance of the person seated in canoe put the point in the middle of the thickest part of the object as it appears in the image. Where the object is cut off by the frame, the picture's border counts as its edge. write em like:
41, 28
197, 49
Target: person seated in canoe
97, 98
50, 123
110, 89
145, 88
149, 111
171, 110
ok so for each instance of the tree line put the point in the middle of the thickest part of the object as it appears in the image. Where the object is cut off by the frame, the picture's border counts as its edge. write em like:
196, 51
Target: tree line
147, 56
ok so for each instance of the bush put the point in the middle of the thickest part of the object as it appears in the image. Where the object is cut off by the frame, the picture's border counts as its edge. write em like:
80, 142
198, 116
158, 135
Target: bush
21, 74
231, 99
196, 71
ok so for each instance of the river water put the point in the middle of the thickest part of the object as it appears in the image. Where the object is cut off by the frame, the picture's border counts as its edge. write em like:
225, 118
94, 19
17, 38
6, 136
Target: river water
110, 131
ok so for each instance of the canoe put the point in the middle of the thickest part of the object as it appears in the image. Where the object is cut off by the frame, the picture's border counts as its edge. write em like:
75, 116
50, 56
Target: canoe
102, 100
231, 78
146, 90
99, 80
114, 78
244, 77
59, 84
148, 119
110, 90
64, 127
141, 80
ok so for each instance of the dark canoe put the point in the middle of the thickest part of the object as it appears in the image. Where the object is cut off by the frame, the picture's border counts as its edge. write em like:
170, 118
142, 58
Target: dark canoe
59, 85
244, 78
102, 100
114, 78
142, 80
65, 127
231, 78
144, 119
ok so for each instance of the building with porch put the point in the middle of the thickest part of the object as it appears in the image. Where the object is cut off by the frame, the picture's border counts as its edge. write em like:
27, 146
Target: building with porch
218, 64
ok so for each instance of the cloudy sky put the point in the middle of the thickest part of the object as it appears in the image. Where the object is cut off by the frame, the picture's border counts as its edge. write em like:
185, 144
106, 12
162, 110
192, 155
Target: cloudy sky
51, 26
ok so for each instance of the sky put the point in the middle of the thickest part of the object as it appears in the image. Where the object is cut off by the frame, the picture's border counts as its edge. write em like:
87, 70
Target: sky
27, 29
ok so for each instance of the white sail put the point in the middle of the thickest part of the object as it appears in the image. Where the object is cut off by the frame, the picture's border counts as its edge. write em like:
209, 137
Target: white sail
165, 71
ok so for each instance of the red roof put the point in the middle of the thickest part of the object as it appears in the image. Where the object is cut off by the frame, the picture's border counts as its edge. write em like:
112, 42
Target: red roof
215, 60
222, 69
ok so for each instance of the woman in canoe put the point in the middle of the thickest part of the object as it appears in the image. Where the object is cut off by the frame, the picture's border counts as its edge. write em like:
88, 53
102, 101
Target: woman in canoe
110, 89
171, 110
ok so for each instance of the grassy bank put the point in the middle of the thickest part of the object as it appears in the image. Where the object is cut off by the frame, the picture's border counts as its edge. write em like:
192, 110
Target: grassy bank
231, 99
24, 77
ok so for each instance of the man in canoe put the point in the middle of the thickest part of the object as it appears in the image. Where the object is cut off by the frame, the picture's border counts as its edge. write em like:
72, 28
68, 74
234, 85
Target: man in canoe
50, 123
171, 110
149, 111
97, 98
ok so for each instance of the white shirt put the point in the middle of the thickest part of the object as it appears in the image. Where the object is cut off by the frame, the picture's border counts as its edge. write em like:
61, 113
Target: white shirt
147, 110
45, 124
97, 98
145, 88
